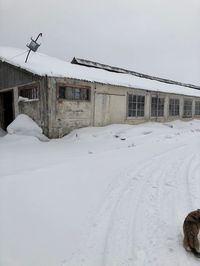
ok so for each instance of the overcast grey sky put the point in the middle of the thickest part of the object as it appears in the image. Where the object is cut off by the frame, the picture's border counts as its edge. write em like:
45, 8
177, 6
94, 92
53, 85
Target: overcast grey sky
159, 37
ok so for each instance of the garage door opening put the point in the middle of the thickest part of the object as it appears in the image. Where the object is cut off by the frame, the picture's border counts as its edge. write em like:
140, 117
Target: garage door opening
6, 108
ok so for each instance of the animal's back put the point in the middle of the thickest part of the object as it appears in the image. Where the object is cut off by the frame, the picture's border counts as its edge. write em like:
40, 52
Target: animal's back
191, 228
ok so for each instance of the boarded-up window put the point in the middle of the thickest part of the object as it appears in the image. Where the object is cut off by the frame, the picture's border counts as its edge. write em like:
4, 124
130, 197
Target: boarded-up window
174, 107
187, 110
74, 93
136, 105
197, 108
29, 92
157, 106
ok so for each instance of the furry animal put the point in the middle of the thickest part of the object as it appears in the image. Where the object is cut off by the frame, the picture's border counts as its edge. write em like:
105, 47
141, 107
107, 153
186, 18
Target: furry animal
191, 228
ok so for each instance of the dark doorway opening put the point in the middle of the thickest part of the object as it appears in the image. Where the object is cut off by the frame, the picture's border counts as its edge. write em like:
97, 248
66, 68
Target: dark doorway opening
6, 108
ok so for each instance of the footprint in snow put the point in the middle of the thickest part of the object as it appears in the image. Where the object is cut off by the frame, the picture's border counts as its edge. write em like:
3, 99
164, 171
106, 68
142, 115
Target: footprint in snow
147, 132
168, 137
131, 146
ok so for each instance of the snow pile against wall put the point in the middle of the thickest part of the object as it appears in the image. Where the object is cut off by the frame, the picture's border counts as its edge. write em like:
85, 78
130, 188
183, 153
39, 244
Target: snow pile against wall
24, 125
42, 65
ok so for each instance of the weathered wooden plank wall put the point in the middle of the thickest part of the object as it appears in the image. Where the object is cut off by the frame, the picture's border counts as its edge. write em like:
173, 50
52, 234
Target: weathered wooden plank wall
11, 76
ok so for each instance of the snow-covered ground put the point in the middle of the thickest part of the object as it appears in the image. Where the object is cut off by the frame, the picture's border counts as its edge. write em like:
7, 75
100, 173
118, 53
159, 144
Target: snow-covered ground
110, 196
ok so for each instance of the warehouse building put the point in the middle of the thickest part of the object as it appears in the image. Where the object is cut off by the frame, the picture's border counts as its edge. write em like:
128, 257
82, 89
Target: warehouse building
61, 96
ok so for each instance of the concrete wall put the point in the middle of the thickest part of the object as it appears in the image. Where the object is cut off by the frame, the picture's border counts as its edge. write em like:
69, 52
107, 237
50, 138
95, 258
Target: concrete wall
65, 115
107, 105
167, 97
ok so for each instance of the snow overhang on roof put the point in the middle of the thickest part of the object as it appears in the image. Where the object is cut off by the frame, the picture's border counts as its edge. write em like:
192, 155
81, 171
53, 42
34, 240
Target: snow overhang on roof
42, 65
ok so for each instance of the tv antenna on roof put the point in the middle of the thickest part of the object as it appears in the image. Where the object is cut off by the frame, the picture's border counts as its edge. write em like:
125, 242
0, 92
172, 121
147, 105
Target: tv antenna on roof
33, 46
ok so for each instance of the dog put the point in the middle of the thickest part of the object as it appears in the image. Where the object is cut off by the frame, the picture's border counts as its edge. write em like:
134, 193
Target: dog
191, 228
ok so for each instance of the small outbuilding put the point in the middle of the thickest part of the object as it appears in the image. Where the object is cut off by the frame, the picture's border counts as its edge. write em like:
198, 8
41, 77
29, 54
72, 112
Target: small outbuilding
60, 96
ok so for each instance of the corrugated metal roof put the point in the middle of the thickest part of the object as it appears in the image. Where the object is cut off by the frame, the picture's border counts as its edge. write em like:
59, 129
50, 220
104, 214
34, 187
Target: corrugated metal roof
88, 63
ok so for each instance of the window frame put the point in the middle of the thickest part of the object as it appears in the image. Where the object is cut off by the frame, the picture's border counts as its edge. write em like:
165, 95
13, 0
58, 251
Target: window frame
29, 91
138, 104
185, 115
174, 111
157, 104
75, 91
195, 112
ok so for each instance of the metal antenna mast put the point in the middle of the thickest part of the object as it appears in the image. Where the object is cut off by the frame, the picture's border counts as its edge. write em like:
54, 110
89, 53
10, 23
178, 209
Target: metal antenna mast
33, 46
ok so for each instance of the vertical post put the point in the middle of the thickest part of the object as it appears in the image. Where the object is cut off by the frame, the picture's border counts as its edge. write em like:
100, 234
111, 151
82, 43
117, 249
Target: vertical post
181, 106
32, 48
193, 108
27, 55
166, 108
15, 101
147, 108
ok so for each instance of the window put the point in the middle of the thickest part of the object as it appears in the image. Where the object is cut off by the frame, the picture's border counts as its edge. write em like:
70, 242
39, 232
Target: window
29, 92
174, 107
74, 93
187, 111
197, 108
136, 105
157, 106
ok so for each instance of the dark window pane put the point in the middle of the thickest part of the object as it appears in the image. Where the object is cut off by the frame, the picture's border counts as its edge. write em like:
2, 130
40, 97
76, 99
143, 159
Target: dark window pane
187, 112
72, 93
29, 92
197, 108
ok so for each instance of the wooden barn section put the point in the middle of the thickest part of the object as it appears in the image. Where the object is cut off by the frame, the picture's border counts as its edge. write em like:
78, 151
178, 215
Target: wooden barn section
16, 82
62, 96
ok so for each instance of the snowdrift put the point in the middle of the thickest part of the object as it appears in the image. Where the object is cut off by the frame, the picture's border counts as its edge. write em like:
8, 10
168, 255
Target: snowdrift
24, 125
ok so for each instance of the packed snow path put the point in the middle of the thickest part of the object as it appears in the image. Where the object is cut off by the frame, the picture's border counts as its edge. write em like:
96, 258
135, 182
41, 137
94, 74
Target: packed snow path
139, 223
113, 196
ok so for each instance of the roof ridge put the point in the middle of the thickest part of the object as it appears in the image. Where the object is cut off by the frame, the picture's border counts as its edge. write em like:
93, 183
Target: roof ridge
89, 63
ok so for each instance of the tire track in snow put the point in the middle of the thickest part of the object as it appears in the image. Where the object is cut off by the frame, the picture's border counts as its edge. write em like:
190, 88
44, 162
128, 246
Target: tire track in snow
147, 244
162, 226
98, 240
171, 201
183, 203
193, 181
133, 199
102, 247
167, 242
127, 257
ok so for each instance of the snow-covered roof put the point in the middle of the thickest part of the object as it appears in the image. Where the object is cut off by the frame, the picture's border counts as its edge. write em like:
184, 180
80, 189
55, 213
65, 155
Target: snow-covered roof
42, 65
89, 63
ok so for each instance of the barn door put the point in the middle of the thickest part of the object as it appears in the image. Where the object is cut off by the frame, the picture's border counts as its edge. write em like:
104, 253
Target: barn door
6, 108
117, 109
109, 109
102, 103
